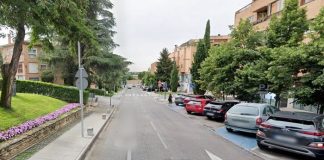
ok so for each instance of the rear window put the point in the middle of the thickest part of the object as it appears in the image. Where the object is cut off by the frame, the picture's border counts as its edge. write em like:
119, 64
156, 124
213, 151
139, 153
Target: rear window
215, 105
291, 123
194, 102
244, 110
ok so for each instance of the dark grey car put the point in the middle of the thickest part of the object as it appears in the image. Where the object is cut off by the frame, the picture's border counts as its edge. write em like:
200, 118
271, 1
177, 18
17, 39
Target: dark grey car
178, 100
297, 132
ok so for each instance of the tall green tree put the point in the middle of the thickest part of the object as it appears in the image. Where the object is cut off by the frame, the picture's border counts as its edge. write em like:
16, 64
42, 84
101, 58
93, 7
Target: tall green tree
201, 54
309, 88
174, 80
288, 29
44, 18
164, 67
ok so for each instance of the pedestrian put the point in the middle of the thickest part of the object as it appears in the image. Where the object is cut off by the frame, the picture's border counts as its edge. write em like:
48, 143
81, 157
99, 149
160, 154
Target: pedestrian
170, 98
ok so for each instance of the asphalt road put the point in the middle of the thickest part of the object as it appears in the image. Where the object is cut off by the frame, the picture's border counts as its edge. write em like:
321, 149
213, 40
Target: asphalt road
143, 128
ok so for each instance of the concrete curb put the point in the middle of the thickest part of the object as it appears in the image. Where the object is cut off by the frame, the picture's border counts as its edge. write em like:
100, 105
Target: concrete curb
89, 146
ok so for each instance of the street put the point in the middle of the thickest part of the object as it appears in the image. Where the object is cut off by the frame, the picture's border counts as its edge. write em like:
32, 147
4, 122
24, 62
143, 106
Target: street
144, 129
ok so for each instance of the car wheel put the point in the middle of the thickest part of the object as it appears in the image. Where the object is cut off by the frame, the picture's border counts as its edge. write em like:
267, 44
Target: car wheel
188, 112
209, 117
229, 129
261, 146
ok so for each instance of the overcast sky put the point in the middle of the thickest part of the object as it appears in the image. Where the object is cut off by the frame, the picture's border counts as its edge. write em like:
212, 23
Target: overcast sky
145, 27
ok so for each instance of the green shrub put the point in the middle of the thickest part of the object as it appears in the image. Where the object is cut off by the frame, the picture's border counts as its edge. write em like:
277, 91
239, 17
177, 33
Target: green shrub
98, 92
64, 93
47, 76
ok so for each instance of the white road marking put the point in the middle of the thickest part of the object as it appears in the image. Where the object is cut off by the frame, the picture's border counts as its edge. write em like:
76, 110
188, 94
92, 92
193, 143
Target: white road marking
158, 134
129, 155
212, 156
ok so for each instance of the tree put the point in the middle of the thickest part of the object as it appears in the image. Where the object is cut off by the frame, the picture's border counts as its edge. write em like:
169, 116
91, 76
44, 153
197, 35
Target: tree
201, 54
141, 75
44, 18
164, 67
289, 28
149, 80
228, 68
47, 76
174, 80
309, 88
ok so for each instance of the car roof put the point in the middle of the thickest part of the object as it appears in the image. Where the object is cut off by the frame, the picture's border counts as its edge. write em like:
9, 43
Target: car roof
253, 104
228, 101
307, 116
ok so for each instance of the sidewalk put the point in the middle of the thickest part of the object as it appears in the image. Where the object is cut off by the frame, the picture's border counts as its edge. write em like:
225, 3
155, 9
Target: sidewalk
70, 145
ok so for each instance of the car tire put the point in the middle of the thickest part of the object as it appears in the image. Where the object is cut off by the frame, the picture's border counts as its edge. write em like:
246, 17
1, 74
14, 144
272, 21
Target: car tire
209, 117
229, 129
261, 146
188, 112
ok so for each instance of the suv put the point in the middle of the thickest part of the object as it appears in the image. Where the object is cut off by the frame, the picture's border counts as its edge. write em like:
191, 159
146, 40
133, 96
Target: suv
218, 109
297, 132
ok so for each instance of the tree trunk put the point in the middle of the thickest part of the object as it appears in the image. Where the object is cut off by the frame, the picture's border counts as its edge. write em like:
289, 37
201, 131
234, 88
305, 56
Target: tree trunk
9, 70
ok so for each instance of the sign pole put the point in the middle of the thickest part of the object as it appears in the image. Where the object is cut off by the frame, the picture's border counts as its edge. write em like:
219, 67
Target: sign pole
80, 90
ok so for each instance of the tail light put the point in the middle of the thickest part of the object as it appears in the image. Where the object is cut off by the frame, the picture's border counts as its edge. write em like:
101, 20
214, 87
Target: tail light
258, 121
318, 134
264, 125
316, 145
220, 111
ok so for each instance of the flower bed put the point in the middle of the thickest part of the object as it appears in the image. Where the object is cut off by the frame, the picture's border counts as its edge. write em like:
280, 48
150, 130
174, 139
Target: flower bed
22, 128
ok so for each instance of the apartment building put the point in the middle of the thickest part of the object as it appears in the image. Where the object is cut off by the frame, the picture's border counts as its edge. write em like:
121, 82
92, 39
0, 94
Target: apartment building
183, 55
153, 68
259, 12
29, 67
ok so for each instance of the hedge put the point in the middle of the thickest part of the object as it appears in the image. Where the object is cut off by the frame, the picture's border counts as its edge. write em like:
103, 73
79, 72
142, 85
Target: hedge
98, 92
65, 93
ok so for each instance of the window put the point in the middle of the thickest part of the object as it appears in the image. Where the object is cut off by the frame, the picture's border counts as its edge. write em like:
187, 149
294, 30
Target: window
33, 68
20, 77
20, 68
302, 2
244, 110
32, 53
251, 18
281, 4
43, 67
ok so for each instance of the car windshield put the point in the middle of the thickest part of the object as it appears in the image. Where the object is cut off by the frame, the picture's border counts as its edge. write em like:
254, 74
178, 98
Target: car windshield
244, 110
215, 105
291, 123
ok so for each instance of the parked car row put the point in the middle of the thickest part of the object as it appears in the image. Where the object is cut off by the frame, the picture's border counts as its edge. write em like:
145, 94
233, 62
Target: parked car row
296, 132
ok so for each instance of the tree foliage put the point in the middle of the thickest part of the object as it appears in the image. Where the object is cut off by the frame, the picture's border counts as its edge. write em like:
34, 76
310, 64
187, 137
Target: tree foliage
288, 29
174, 80
164, 67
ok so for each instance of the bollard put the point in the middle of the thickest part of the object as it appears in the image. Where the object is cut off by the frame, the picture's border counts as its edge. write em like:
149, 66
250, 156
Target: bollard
90, 132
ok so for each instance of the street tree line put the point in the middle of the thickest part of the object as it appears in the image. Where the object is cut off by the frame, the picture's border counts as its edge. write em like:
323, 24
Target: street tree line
288, 56
58, 26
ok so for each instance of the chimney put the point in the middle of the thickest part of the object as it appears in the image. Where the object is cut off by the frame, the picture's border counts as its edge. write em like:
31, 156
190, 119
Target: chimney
9, 38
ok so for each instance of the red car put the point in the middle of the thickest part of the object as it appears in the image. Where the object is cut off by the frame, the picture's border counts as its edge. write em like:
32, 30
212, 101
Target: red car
197, 106
195, 97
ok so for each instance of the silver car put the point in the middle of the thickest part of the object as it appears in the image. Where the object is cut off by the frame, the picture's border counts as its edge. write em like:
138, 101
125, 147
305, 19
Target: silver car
247, 117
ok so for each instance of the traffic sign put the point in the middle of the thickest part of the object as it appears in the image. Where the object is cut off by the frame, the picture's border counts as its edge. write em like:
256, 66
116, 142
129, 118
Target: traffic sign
84, 84
263, 87
84, 73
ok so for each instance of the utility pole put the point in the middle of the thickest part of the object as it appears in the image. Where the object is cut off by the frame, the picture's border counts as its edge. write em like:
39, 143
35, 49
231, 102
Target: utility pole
80, 90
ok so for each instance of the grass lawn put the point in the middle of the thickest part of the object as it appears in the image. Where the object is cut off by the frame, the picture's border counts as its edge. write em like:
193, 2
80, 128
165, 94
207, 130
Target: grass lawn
27, 107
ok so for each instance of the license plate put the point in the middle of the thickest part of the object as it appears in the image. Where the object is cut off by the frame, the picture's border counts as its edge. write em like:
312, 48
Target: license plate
209, 114
285, 139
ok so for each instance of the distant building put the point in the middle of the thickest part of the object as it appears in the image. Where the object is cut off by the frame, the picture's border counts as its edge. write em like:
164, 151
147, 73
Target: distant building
183, 55
153, 68
259, 12
29, 67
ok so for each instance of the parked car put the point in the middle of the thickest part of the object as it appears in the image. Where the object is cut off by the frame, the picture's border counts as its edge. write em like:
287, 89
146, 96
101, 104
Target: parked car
218, 109
297, 132
129, 87
193, 97
247, 117
197, 106
178, 100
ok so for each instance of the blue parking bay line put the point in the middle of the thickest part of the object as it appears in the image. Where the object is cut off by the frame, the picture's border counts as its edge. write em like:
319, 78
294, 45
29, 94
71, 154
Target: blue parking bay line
245, 141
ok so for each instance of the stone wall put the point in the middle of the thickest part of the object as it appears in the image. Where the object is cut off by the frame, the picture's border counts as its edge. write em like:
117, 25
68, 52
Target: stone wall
11, 148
